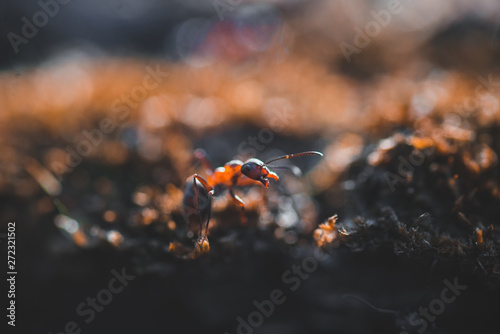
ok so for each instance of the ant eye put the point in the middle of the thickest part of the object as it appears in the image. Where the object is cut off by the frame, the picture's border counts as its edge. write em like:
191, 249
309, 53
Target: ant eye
246, 168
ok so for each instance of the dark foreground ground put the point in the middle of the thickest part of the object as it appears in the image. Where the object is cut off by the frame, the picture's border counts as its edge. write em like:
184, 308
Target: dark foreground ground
404, 248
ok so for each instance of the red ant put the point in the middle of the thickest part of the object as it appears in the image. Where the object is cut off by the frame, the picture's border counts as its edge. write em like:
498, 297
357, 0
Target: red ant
198, 192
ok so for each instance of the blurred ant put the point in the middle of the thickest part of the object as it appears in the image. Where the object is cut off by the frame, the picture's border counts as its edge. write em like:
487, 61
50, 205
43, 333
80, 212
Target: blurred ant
198, 192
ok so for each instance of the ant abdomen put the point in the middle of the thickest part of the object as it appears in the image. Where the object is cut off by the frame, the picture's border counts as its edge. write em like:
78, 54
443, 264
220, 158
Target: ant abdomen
196, 205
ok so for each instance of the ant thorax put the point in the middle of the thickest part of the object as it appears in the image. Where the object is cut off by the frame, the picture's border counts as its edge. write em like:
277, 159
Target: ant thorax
225, 176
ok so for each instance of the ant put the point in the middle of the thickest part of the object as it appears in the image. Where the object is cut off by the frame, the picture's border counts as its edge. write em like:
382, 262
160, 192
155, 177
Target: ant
198, 192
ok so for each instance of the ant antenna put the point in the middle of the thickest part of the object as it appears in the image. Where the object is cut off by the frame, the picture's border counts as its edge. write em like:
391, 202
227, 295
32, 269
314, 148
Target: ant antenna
294, 169
295, 155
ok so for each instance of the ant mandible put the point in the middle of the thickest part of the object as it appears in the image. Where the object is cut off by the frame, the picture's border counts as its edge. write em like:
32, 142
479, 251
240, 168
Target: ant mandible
198, 192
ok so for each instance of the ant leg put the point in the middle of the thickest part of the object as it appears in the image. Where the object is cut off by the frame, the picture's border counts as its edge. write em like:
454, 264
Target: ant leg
242, 205
208, 221
210, 191
197, 203
204, 183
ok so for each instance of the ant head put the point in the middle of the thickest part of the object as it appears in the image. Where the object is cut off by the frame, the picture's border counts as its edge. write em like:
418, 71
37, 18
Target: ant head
255, 170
